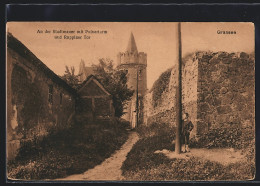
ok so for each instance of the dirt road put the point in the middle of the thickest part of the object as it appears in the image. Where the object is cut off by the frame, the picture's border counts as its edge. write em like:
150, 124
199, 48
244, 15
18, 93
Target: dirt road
110, 169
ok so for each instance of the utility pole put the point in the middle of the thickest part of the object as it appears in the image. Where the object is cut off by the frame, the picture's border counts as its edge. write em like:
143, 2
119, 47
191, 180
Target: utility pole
178, 93
137, 105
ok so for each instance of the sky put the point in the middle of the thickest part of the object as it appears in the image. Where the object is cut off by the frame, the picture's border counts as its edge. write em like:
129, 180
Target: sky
157, 39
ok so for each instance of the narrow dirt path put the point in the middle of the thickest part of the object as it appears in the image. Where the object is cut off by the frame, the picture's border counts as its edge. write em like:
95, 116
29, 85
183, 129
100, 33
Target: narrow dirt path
110, 169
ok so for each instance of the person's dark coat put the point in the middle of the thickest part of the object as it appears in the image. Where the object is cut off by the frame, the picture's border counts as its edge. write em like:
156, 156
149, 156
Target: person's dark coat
187, 127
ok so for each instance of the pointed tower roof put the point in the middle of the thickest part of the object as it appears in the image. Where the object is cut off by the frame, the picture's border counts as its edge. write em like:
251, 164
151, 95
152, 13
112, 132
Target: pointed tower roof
131, 47
82, 62
81, 66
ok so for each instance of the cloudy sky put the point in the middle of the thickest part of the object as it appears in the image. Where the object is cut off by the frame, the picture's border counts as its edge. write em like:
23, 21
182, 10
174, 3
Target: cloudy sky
157, 39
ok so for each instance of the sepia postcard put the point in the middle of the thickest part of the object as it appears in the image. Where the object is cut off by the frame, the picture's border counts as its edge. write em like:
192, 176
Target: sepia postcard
130, 101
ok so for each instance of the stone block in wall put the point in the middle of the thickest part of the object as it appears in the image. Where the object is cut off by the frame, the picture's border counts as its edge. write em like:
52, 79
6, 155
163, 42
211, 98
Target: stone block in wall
204, 60
201, 98
226, 60
223, 118
203, 89
224, 109
203, 107
211, 69
245, 115
238, 106
223, 68
235, 63
216, 101
241, 90
216, 91
210, 119
214, 61
202, 127
234, 87
201, 115
226, 98
218, 79
209, 99
233, 83
233, 119
250, 106
223, 90
249, 80
247, 123
239, 102
202, 71
244, 55
239, 63
238, 97
212, 86
222, 55
235, 71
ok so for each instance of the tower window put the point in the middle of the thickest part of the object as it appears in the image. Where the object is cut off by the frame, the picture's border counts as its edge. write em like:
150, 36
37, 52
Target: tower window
140, 74
50, 94
60, 98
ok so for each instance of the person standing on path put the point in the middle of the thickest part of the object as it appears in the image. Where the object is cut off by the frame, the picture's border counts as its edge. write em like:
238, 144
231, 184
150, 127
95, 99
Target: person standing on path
187, 127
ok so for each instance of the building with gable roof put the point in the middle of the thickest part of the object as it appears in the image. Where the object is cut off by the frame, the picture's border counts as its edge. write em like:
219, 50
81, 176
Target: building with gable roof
38, 100
95, 102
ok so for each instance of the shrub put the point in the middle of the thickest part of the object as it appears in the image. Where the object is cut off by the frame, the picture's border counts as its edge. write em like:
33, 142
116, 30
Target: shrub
157, 136
228, 136
156, 129
65, 152
160, 85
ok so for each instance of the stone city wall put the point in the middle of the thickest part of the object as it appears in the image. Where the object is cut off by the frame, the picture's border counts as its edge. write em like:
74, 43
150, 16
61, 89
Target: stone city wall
164, 112
226, 90
218, 88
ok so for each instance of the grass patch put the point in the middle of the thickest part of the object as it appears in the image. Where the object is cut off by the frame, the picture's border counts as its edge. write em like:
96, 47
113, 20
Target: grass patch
192, 169
227, 136
71, 151
237, 137
142, 164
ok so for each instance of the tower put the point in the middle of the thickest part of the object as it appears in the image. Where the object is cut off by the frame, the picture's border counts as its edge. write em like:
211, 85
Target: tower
82, 75
84, 71
135, 64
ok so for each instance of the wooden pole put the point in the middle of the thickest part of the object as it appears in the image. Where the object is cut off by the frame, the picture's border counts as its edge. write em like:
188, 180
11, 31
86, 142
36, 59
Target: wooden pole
178, 94
137, 110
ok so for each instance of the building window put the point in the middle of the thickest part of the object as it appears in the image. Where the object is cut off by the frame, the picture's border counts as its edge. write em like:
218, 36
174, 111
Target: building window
50, 97
60, 98
140, 74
